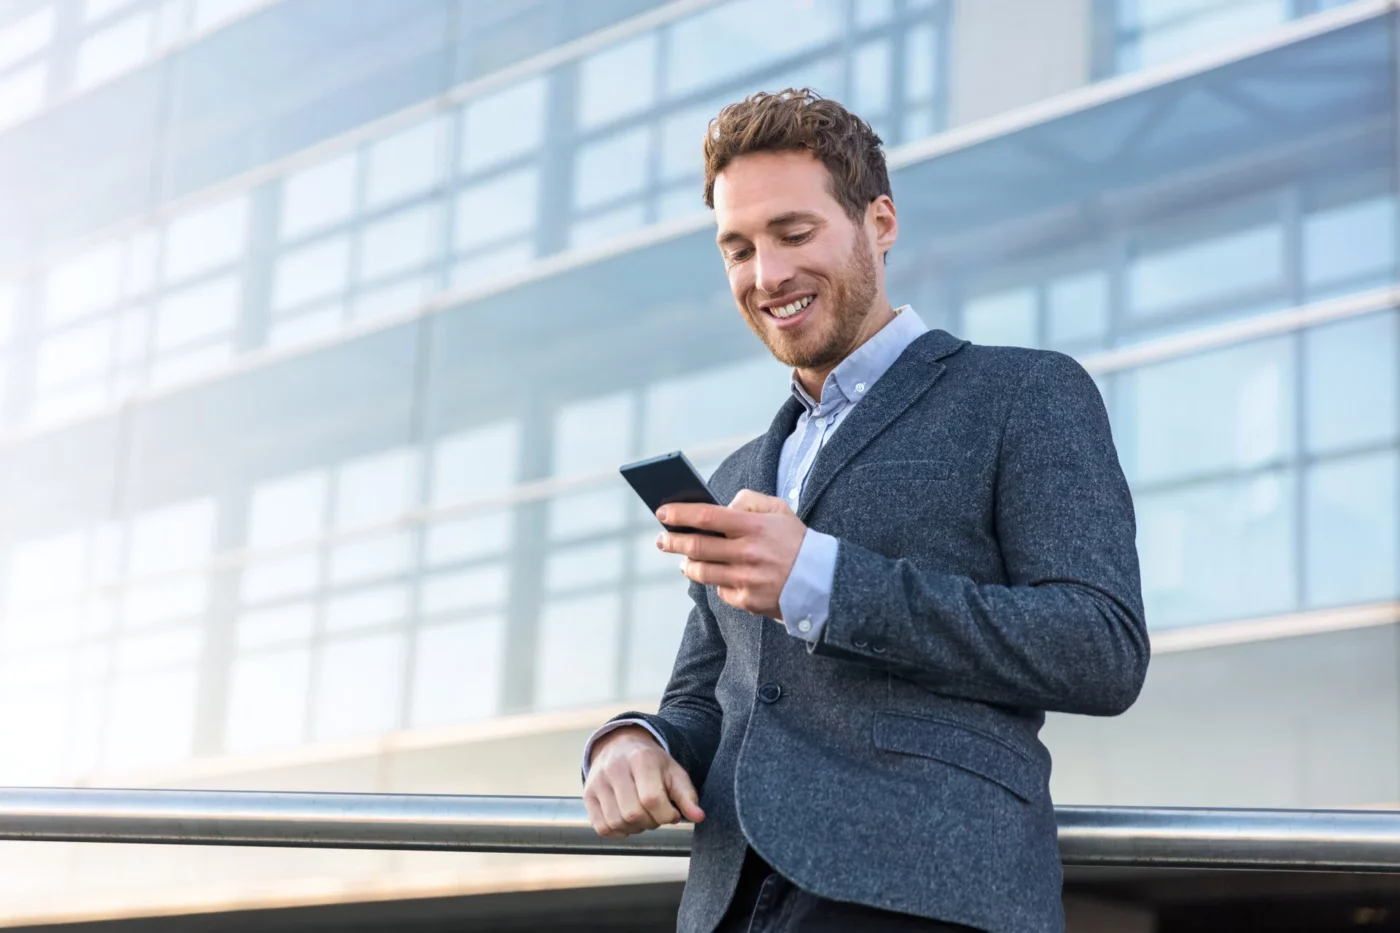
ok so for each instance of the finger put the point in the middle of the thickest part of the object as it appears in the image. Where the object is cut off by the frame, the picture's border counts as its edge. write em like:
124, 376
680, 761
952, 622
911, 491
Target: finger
651, 791
612, 816
746, 500
709, 574
699, 547
635, 817
682, 791
598, 818
704, 516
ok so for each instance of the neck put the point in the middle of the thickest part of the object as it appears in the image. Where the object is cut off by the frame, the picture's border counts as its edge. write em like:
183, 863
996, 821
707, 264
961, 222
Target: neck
813, 379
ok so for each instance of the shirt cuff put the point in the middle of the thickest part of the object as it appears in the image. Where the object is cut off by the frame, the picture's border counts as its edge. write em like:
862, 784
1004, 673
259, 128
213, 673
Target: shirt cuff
805, 600
611, 726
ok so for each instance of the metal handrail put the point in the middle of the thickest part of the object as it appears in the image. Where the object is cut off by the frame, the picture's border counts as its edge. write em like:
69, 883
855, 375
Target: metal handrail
1281, 840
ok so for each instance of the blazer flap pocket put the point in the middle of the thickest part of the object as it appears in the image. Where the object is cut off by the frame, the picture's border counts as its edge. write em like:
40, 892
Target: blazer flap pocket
901, 470
983, 755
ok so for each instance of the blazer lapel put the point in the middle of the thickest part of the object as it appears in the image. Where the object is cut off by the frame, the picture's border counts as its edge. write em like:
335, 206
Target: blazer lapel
912, 375
763, 469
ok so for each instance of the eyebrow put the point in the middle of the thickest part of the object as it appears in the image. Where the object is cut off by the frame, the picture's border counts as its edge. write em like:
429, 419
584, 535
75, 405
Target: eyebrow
786, 219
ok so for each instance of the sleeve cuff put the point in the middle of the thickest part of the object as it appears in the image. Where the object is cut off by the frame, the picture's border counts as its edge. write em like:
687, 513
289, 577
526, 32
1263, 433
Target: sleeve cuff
805, 601
611, 726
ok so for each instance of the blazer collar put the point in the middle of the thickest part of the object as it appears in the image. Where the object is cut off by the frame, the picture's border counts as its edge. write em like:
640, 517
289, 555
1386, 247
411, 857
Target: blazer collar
907, 379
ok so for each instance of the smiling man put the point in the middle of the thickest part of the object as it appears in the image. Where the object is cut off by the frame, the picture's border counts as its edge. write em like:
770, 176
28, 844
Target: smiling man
932, 545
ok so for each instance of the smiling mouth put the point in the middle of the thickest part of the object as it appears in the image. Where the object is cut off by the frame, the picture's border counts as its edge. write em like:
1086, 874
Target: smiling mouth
783, 312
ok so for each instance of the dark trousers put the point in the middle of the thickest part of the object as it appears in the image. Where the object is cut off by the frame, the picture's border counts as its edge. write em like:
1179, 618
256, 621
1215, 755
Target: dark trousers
766, 902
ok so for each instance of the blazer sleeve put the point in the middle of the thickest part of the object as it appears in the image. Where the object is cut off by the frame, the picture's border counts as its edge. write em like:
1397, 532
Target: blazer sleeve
689, 715
1067, 632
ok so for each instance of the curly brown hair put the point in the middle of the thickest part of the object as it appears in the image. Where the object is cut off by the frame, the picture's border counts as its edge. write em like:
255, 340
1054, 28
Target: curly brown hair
797, 119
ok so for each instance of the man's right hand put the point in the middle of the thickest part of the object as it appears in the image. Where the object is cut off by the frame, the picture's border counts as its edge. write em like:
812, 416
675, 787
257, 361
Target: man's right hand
633, 785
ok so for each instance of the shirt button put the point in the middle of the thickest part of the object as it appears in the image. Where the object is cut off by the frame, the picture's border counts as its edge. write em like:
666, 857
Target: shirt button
805, 625
792, 494
860, 387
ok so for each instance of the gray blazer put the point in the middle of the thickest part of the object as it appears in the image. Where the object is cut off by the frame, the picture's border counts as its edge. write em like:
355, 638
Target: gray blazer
986, 573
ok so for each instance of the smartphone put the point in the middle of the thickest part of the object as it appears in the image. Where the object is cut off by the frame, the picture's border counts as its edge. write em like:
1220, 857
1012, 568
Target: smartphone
669, 478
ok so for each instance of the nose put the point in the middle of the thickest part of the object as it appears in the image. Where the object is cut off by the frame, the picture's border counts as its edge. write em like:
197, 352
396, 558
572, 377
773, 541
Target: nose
772, 271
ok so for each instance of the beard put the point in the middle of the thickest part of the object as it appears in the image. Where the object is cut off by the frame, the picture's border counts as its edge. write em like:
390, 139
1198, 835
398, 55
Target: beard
825, 342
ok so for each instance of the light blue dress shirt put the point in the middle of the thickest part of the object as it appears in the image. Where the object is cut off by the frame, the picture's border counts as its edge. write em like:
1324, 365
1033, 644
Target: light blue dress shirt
805, 601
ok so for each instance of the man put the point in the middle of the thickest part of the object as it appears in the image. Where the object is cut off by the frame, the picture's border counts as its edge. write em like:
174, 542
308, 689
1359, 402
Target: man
932, 545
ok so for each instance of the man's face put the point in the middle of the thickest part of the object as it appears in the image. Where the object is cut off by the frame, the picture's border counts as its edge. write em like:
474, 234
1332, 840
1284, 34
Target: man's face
803, 273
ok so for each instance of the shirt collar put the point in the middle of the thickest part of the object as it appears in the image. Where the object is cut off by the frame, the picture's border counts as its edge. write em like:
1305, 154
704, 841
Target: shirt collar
857, 373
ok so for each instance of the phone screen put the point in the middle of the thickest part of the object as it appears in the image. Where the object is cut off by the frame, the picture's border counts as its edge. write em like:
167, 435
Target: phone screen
666, 479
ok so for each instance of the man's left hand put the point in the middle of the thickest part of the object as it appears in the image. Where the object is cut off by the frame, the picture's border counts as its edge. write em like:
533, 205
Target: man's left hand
750, 565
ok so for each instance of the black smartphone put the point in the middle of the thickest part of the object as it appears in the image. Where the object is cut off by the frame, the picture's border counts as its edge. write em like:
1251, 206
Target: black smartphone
666, 479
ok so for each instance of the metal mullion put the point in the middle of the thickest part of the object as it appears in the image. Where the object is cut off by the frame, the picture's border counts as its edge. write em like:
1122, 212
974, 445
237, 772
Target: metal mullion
316, 642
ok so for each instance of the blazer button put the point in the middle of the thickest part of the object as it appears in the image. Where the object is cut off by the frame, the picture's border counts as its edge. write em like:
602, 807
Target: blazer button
769, 693
878, 649
860, 642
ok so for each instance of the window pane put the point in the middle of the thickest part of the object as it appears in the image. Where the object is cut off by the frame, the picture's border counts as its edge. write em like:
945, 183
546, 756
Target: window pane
78, 353
659, 614
458, 671
1214, 268
267, 700
407, 163
744, 36
593, 435
503, 126
22, 94
576, 655
370, 558
279, 625
151, 719
469, 538
920, 64
1350, 242
376, 488
358, 686
83, 283
172, 537
111, 51
870, 79
606, 226
1352, 534
612, 168
1001, 319
682, 139
318, 196
287, 509
26, 36
197, 313
476, 588
584, 513
1218, 551
500, 208
404, 241
584, 566
1077, 306
475, 464
316, 271
1226, 410
1171, 31
740, 399
383, 605
1352, 384
617, 81
280, 576
206, 238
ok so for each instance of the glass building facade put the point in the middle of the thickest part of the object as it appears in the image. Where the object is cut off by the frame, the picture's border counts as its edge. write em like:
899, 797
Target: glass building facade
324, 327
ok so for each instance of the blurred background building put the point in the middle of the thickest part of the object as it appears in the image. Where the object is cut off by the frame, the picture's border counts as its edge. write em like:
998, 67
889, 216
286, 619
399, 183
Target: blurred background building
324, 325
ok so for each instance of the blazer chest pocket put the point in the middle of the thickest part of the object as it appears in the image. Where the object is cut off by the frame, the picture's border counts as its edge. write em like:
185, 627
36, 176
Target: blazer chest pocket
986, 756
899, 476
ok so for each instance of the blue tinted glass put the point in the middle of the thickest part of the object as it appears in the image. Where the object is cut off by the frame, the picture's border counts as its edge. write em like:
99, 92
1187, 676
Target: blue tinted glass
1221, 411
612, 168
1077, 308
1214, 267
1352, 532
1217, 551
744, 35
617, 81
1352, 385
870, 79
1003, 318
1352, 245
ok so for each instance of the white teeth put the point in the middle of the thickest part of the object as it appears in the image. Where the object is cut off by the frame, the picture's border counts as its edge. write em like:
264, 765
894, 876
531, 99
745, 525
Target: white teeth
790, 309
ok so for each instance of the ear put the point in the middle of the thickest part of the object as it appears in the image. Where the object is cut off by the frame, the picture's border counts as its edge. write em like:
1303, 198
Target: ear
882, 223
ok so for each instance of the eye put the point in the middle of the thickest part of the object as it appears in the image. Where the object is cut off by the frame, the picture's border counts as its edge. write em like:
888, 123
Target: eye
739, 255
793, 239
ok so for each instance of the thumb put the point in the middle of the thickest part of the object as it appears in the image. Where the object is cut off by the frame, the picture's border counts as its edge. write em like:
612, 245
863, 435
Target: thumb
683, 793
